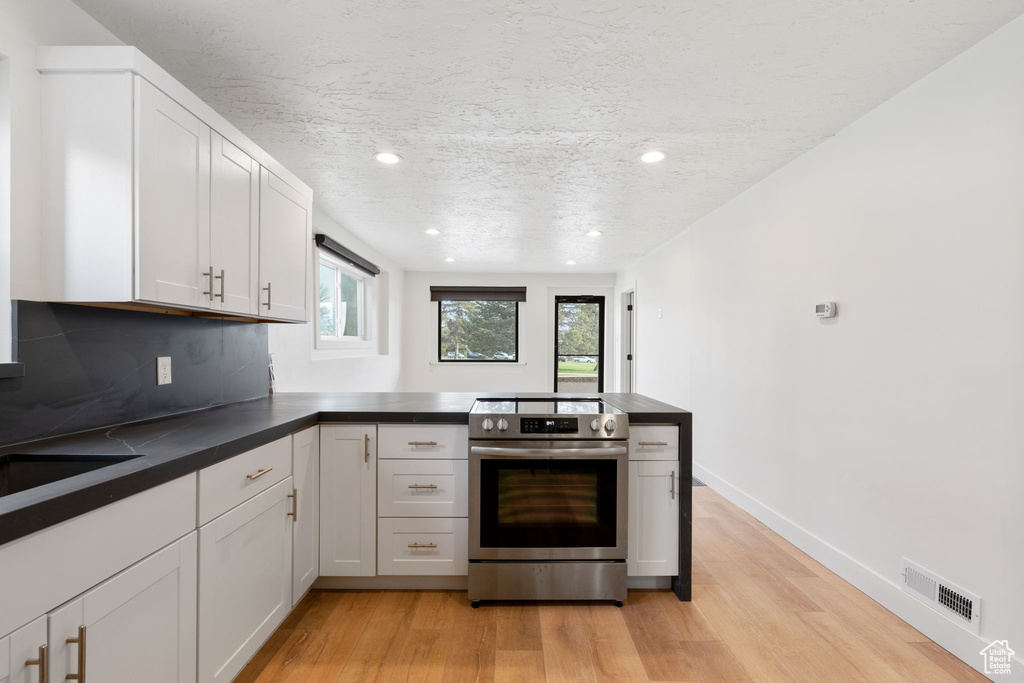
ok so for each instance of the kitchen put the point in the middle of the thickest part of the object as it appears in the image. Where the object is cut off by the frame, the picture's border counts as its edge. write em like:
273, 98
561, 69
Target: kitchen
146, 295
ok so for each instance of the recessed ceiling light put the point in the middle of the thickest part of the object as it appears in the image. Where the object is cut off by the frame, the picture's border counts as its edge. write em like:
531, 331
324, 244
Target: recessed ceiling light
450, 260
387, 157
594, 233
570, 263
433, 231
652, 157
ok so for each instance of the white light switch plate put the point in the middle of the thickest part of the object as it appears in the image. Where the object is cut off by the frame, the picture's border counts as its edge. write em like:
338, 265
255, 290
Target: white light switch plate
163, 370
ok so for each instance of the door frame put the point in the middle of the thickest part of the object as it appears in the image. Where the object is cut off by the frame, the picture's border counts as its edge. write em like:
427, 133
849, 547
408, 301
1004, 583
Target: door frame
598, 299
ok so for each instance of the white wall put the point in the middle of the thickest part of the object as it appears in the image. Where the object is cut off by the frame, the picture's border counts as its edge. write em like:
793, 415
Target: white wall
24, 25
896, 429
535, 369
300, 367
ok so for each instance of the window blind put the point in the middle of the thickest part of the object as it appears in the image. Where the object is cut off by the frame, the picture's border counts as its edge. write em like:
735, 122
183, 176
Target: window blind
346, 255
438, 293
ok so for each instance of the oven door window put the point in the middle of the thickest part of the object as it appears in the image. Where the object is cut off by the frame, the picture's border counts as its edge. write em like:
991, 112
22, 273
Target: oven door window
547, 503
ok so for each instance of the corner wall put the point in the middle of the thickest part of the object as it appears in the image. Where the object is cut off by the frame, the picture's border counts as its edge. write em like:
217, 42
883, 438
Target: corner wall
535, 371
895, 429
298, 366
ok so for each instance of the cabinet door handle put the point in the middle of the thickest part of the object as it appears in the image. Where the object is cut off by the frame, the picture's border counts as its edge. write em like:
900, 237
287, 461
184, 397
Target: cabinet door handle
422, 545
653, 443
294, 514
221, 278
422, 443
267, 290
80, 676
428, 486
672, 491
209, 274
259, 473
40, 661
366, 448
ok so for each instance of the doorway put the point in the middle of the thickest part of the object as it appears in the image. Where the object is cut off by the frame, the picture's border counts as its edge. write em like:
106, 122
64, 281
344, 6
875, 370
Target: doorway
579, 344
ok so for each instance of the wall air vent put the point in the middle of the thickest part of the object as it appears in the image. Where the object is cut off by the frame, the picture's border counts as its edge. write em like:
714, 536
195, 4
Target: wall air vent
944, 597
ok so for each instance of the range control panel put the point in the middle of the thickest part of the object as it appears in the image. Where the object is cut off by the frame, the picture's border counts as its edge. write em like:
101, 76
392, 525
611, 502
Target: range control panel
549, 425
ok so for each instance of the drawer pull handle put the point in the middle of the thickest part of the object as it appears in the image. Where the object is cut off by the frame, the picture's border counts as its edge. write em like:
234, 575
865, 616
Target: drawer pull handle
672, 478
40, 661
422, 545
422, 443
420, 486
80, 676
654, 443
294, 514
259, 473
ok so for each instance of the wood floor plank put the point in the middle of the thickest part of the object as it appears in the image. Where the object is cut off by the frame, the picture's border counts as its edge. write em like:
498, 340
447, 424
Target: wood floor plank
266, 654
473, 647
699, 573
567, 650
383, 640
655, 628
950, 664
519, 666
845, 644
518, 626
714, 661
342, 631
615, 655
436, 609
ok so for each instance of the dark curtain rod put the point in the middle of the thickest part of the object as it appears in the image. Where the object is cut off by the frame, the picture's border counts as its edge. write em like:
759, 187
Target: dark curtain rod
346, 255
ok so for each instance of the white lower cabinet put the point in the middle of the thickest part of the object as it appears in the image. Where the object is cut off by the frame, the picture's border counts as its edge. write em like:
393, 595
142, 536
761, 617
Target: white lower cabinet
653, 546
306, 508
423, 546
23, 654
348, 500
245, 580
139, 625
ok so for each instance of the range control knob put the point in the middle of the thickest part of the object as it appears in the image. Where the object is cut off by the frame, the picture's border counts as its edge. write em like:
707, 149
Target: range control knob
502, 424
595, 425
488, 424
609, 426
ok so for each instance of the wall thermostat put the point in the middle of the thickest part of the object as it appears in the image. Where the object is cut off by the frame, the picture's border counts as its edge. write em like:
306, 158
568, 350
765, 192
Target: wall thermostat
826, 310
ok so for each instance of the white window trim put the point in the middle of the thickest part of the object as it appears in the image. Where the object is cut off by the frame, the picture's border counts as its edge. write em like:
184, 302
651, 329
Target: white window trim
370, 312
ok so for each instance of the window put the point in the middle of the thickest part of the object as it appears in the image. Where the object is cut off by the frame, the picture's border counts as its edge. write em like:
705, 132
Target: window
349, 298
342, 301
478, 324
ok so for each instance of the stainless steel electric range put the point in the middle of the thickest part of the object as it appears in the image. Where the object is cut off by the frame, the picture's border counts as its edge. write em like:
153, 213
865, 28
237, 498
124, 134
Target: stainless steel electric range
547, 500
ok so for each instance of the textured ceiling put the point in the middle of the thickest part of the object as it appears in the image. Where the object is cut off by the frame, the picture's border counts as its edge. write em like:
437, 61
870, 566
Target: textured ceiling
520, 121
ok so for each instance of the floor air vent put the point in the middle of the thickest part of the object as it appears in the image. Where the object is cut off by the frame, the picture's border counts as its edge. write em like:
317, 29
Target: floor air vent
947, 598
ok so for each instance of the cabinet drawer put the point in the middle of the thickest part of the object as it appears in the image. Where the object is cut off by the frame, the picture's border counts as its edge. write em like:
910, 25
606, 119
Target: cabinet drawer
423, 547
649, 442
422, 488
423, 441
236, 480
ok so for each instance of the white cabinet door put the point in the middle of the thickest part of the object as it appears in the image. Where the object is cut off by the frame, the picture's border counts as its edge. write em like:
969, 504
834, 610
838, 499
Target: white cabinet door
348, 500
653, 547
245, 581
285, 249
23, 655
306, 506
234, 227
172, 201
139, 625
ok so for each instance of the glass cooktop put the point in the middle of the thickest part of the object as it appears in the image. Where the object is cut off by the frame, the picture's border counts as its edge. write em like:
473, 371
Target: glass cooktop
544, 406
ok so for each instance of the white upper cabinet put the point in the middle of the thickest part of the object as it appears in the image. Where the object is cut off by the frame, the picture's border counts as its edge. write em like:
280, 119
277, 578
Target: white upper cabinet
234, 228
151, 198
173, 207
285, 220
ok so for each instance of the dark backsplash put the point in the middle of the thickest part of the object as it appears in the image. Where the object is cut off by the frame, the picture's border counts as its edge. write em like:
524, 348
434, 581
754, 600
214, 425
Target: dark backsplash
94, 367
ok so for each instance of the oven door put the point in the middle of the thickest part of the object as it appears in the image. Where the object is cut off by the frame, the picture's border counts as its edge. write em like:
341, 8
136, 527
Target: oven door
547, 500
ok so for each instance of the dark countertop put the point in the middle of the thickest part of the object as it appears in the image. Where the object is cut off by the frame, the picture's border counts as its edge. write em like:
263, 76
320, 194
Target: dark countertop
176, 446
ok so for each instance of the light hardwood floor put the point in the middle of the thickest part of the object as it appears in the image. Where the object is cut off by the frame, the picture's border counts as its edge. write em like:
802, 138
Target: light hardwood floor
762, 611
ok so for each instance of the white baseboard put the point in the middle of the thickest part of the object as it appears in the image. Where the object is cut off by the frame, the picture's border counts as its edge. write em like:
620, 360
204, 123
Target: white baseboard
961, 643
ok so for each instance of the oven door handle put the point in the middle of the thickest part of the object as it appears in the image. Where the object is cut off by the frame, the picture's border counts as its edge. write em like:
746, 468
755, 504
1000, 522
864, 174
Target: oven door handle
610, 452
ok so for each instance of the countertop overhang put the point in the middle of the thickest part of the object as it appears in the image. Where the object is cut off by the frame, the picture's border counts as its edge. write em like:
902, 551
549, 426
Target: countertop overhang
181, 444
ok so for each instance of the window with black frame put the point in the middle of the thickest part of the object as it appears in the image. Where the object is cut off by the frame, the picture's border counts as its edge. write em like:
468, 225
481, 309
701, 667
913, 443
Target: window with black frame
478, 324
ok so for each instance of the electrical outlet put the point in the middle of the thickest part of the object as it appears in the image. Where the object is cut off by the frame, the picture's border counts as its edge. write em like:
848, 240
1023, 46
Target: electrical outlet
163, 370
